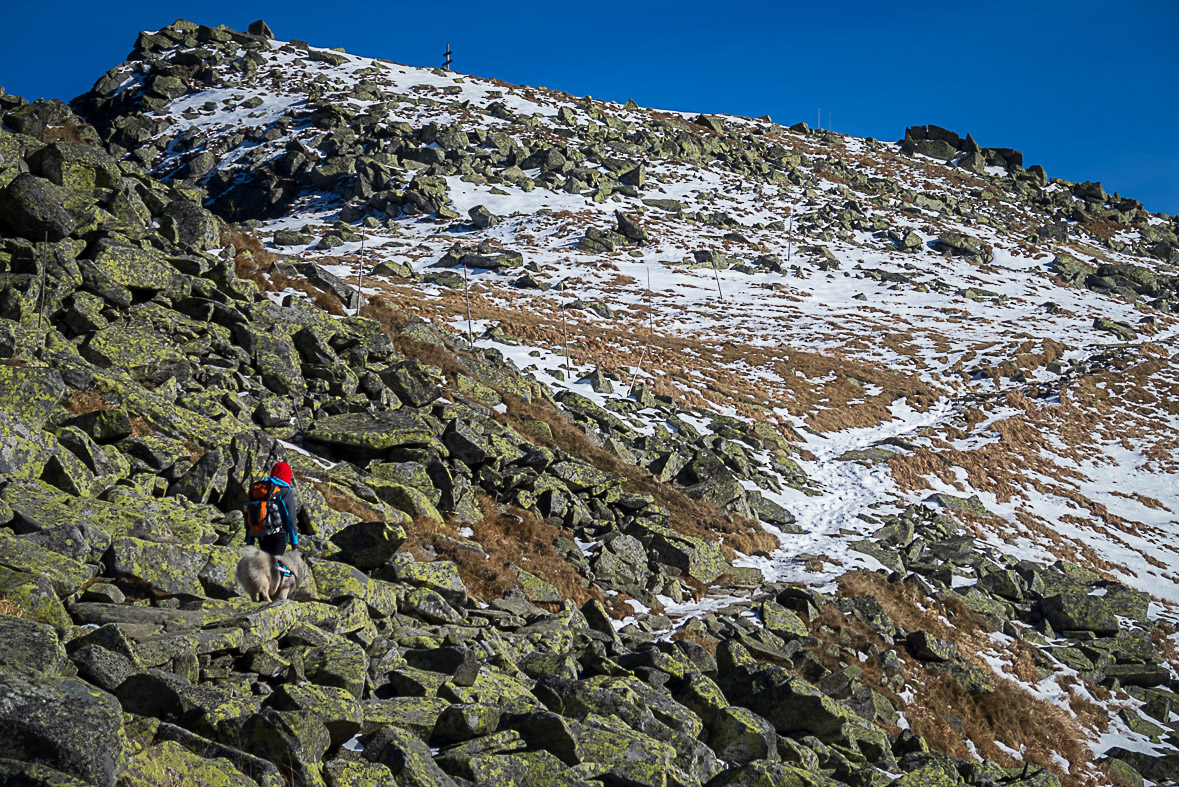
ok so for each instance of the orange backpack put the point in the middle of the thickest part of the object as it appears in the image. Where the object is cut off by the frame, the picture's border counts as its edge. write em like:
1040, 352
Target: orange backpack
264, 511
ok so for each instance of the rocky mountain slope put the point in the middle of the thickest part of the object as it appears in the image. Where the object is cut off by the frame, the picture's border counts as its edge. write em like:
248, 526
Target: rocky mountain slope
633, 447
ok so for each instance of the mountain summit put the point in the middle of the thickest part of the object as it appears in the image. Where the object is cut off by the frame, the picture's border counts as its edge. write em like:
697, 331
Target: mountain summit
632, 447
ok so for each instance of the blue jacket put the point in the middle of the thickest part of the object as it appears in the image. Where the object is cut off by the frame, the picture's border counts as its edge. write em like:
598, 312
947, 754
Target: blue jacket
290, 512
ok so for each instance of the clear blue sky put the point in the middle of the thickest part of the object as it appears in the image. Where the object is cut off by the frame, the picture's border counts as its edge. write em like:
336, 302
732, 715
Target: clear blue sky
1088, 89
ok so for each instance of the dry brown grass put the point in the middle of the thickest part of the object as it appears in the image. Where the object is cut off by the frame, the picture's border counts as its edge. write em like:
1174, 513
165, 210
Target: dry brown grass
703, 640
1009, 715
82, 402
70, 132
140, 427
345, 503
695, 518
703, 372
11, 609
509, 536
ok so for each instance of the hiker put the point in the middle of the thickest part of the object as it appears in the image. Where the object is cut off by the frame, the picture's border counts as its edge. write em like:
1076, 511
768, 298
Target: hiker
272, 513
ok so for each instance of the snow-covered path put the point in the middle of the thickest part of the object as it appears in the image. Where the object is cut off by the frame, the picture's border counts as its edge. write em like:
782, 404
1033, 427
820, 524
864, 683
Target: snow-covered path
829, 520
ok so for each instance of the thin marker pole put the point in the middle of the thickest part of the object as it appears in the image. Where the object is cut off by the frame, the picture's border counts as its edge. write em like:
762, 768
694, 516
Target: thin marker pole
360, 275
565, 328
467, 295
646, 348
790, 238
44, 275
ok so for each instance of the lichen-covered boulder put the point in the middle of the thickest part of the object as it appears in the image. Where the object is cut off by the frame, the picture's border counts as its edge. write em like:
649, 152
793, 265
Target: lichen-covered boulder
29, 646
169, 568
35, 597
369, 545
187, 224
77, 167
171, 763
372, 432
738, 735
339, 711
1080, 612
139, 350
34, 207
135, 267
22, 554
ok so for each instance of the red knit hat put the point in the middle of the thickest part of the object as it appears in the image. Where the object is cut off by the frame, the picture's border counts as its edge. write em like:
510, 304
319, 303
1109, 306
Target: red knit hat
282, 471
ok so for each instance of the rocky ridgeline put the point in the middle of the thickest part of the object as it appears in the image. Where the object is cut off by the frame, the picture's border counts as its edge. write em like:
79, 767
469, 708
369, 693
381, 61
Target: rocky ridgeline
145, 385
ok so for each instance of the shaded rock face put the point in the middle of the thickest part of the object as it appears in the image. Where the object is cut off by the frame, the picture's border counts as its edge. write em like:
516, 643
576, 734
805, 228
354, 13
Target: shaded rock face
66, 725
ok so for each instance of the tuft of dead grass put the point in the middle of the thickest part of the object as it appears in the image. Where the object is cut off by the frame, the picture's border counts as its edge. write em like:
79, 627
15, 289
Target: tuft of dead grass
508, 536
341, 501
11, 609
696, 518
82, 402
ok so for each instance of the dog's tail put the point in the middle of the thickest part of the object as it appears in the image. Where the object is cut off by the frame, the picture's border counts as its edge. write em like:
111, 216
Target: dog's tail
249, 551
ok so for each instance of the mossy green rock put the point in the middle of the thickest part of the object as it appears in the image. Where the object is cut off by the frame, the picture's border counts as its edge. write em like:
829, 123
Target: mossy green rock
34, 595
463, 721
1123, 331
519, 769
137, 268
34, 207
933, 775
30, 394
171, 763
536, 589
34, 774
341, 664
371, 432
350, 772
336, 581
413, 502
699, 559
1078, 612
337, 709
407, 756
29, 646
783, 622
64, 724
440, 576
739, 736
64, 574
771, 774
169, 568
295, 741
77, 167
139, 350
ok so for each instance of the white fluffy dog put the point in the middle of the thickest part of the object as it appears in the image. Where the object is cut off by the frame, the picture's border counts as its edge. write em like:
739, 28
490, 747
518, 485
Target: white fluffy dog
266, 578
